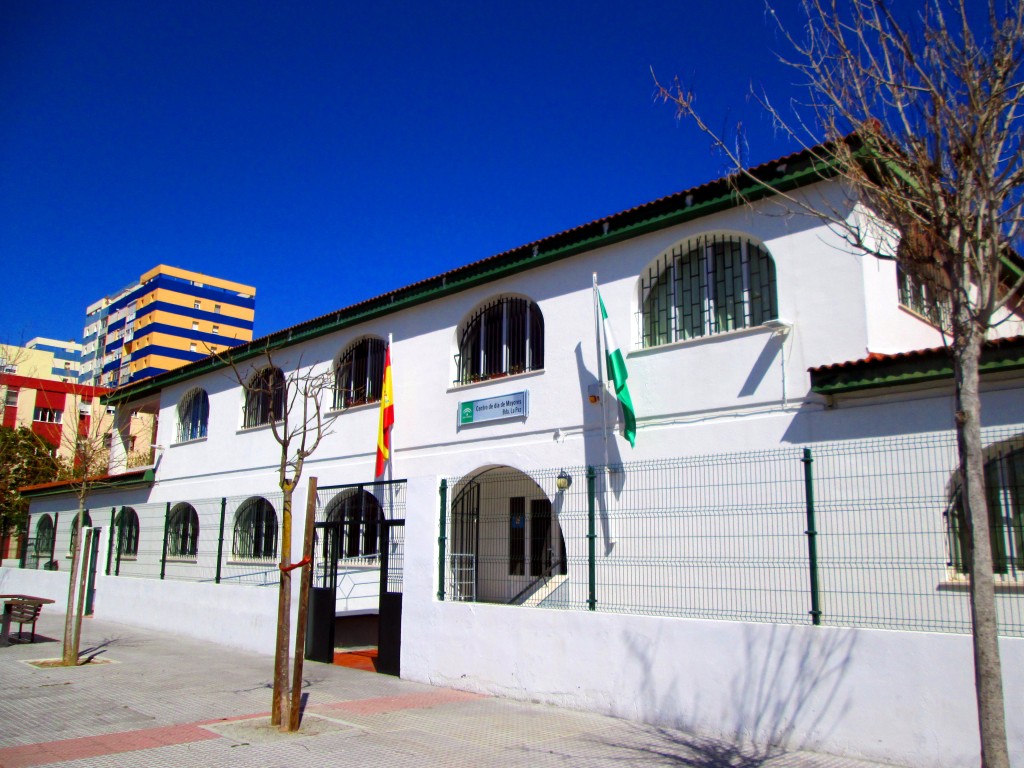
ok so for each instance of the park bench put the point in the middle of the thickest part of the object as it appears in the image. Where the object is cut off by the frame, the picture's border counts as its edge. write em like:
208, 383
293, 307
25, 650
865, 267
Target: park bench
24, 612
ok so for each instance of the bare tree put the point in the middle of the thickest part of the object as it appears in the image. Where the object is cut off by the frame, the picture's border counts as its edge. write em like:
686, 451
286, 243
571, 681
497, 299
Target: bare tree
920, 120
83, 456
292, 404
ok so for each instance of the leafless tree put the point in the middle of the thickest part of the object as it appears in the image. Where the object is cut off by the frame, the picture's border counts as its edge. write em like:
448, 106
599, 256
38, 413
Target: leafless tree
292, 404
920, 120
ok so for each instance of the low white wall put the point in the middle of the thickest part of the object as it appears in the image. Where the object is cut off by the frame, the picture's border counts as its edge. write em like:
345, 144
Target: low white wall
900, 697
234, 615
49, 584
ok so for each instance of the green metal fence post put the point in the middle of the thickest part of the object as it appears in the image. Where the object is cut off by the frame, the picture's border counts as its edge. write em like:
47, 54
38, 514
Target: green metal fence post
442, 540
220, 540
110, 539
163, 556
591, 541
53, 544
120, 547
812, 535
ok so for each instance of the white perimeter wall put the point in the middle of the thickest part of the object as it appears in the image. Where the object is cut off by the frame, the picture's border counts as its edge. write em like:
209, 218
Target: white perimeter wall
900, 697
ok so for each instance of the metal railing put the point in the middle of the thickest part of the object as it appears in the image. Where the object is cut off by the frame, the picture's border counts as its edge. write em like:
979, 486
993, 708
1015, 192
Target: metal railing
851, 533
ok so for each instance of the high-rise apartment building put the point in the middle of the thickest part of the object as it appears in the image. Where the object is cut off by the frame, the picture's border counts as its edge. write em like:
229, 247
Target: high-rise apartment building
41, 358
169, 318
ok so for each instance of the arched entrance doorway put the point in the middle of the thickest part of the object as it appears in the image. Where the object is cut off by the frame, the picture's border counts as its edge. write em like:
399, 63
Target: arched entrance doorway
506, 541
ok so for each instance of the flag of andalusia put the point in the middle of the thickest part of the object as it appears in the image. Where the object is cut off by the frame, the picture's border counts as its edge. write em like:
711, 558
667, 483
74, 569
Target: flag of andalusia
617, 375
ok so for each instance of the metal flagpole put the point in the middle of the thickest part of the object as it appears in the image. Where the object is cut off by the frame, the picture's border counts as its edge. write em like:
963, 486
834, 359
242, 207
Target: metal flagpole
391, 443
601, 356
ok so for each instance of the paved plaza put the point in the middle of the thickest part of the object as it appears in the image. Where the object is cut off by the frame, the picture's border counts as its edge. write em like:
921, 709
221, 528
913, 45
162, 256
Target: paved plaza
154, 700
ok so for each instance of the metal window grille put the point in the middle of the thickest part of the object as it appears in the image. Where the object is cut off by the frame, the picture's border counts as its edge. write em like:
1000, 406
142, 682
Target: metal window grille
1004, 494
193, 415
255, 530
44, 537
359, 374
504, 337
923, 292
264, 397
707, 285
128, 532
86, 523
360, 513
183, 531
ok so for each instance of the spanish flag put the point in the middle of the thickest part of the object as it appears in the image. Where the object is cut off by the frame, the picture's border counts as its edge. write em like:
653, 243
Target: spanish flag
387, 417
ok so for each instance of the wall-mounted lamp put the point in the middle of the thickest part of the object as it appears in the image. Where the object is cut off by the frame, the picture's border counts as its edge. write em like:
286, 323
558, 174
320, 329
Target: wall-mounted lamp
563, 481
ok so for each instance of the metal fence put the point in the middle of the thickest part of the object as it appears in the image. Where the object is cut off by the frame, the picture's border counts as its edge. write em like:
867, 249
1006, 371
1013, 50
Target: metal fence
854, 533
226, 540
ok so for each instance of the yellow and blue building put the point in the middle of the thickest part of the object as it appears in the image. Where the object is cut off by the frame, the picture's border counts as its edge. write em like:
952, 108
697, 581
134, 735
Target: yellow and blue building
170, 317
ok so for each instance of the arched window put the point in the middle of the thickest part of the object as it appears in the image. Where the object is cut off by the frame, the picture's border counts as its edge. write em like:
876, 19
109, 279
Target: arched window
264, 397
183, 531
193, 415
86, 523
707, 285
360, 514
1004, 493
359, 373
255, 530
502, 338
44, 537
127, 532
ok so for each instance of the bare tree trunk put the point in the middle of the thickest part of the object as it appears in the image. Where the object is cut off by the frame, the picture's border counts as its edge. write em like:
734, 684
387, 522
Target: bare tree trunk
279, 711
83, 587
988, 679
70, 653
300, 629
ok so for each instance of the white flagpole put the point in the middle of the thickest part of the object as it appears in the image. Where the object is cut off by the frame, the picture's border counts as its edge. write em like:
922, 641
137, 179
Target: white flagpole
601, 358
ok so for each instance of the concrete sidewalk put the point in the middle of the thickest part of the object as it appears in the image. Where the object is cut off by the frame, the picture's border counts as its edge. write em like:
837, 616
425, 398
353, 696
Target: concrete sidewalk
170, 701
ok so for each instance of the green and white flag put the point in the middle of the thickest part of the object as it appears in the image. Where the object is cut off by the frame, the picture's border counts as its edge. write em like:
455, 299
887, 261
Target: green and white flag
617, 374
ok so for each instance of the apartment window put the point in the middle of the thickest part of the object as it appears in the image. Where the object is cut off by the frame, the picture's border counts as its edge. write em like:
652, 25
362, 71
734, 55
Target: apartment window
193, 415
359, 373
707, 285
196, 305
195, 325
1004, 493
127, 532
216, 308
192, 347
264, 397
255, 530
216, 330
183, 531
11, 398
108, 441
359, 513
502, 338
48, 415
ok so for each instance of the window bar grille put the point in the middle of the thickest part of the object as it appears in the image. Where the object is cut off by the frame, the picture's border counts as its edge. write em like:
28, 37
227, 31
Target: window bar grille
441, 539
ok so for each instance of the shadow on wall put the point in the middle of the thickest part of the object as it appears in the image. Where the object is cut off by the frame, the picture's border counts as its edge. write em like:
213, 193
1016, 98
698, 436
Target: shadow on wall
784, 693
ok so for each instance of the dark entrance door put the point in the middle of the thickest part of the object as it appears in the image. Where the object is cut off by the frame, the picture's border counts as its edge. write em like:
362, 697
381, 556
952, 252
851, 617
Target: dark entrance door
323, 592
392, 563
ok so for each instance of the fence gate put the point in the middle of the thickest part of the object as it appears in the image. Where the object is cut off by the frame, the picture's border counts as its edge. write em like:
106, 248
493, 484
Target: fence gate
323, 592
392, 564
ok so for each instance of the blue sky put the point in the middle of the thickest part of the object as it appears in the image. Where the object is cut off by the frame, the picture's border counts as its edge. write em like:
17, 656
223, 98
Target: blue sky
327, 152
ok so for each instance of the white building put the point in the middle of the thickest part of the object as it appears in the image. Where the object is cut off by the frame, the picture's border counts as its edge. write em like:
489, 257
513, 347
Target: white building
777, 391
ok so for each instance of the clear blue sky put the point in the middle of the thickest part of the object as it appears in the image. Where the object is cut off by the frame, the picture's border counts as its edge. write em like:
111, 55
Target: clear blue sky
327, 152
